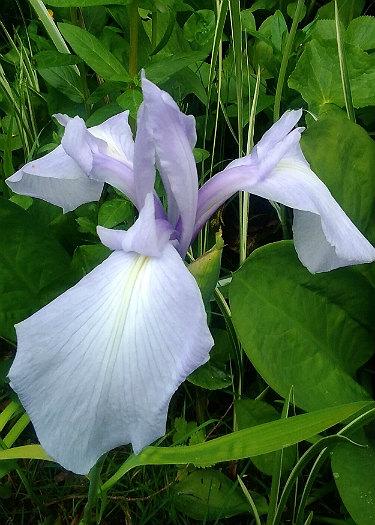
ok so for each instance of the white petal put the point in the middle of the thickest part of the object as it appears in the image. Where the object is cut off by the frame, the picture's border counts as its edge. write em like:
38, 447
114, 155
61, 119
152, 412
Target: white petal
56, 178
116, 132
147, 236
324, 236
96, 368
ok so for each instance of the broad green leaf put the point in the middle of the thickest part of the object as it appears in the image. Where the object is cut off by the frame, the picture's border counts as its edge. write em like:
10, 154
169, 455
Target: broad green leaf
291, 9
211, 377
25, 452
88, 256
94, 53
353, 469
308, 331
199, 29
130, 100
274, 28
243, 443
317, 75
361, 32
64, 79
348, 9
34, 268
161, 69
248, 20
251, 412
85, 3
47, 59
210, 495
116, 211
343, 156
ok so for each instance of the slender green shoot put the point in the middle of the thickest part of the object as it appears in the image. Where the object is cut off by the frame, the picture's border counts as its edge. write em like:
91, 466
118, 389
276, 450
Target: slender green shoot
277, 468
344, 68
134, 26
285, 59
250, 500
49, 25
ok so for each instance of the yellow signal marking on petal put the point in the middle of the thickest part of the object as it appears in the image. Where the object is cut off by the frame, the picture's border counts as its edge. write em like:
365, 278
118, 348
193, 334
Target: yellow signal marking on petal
126, 294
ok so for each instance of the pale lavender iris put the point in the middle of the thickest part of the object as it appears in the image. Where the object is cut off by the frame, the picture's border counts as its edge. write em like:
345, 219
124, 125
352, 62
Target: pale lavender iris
96, 368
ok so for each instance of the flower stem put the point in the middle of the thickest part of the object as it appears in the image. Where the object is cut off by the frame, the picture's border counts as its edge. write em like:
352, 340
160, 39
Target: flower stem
94, 491
133, 55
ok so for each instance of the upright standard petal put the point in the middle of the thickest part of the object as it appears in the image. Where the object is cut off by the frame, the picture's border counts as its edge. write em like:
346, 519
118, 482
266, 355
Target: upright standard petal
144, 157
148, 236
114, 133
172, 135
56, 178
97, 367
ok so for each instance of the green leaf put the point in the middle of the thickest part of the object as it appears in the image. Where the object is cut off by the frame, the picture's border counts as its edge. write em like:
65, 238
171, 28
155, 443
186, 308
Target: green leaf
130, 100
199, 29
64, 79
46, 59
34, 268
348, 9
252, 412
343, 156
361, 32
85, 3
161, 69
274, 28
211, 377
316, 329
317, 75
87, 257
206, 270
210, 495
25, 452
243, 443
116, 211
354, 473
94, 53
248, 20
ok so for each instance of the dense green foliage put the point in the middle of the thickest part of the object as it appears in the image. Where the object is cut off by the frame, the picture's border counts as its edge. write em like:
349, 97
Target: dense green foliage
278, 426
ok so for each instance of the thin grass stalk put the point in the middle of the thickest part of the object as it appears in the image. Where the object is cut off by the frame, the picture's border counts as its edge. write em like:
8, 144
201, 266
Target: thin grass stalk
324, 444
221, 9
277, 469
285, 60
133, 54
250, 500
344, 68
50, 26
217, 112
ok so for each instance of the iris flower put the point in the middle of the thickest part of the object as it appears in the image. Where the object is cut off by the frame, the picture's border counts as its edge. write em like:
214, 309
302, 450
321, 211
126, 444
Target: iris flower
96, 368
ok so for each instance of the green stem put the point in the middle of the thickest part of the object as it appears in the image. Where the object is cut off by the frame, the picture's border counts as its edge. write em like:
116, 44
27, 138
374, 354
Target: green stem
133, 55
285, 60
154, 34
94, 491
343, 68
